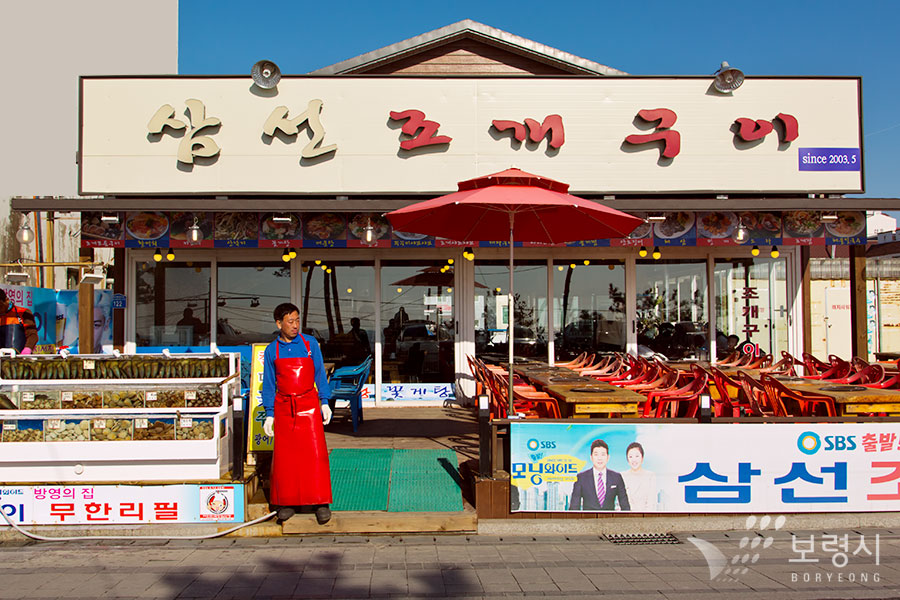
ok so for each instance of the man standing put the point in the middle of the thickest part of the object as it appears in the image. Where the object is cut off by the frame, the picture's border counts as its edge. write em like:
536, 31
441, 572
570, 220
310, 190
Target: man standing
295, 394
17, 326
598, 487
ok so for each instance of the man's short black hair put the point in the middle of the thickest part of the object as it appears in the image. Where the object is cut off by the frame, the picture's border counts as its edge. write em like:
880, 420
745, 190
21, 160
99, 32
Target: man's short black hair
284, 309
634, 445
599, 444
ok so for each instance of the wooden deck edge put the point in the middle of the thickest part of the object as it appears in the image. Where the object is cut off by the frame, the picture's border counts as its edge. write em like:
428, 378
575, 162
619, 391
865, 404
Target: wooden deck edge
384, 522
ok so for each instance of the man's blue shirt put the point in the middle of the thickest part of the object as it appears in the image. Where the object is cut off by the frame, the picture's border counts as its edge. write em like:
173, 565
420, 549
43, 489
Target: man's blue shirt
293, 349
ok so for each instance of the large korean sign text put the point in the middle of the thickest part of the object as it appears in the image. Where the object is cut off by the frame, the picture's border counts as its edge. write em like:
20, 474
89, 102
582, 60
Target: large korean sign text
360, 135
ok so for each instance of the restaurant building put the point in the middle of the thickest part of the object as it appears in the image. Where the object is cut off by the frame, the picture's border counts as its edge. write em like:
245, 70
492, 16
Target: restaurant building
222, 199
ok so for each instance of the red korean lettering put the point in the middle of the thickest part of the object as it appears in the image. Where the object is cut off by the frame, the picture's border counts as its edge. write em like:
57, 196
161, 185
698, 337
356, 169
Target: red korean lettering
892, 476
671, 139
97, 512
62, 510
552, 125
132, 509
422, 130
750, 130
166, 511
869, 442
791, 127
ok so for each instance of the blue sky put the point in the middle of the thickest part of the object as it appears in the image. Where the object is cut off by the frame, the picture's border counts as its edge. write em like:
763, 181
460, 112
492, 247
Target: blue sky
690, 37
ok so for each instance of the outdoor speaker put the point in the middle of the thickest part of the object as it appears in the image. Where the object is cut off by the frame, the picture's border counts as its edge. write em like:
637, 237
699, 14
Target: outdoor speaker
265, 74
728, 78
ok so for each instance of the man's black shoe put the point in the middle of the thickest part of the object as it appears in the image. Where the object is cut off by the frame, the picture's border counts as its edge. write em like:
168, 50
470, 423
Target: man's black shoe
323, 515
285, 513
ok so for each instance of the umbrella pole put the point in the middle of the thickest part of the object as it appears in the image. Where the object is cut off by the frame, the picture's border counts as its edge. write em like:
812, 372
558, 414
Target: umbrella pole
509, 337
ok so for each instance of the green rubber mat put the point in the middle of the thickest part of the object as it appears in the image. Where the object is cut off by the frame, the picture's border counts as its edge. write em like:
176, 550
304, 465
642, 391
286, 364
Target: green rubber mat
395, 480
360, 479
425, 481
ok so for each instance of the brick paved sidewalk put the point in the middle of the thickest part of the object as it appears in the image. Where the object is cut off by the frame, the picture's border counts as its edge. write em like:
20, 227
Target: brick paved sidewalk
450, 566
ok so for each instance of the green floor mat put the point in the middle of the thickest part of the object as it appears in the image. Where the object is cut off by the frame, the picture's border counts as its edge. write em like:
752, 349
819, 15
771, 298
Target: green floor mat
425, 481
360, 479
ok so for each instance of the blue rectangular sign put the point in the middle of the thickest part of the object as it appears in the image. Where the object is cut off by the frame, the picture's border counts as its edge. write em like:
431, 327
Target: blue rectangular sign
830, 159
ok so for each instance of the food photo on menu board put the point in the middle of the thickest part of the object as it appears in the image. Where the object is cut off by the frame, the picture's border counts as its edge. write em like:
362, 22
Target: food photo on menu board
146, 229
278, 230
179, 229
362, 223
803, 224
849, 228
716, 228
763, 227
100, 229
327, 230
678, 227
237, 230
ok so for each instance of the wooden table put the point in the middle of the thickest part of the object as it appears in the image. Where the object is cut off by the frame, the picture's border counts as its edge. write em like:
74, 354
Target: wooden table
606, 401
855, 403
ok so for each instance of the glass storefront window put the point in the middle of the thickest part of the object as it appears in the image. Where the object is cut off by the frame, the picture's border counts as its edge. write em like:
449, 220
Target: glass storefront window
491, 308
172, 305
588, 307
246, 297
338, 308
671, 308
751, 304
417, 315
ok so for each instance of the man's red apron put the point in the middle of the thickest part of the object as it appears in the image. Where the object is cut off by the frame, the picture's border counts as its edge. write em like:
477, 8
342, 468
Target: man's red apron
300, 472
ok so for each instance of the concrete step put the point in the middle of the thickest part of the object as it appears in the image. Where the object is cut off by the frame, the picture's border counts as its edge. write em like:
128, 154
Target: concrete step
369, 522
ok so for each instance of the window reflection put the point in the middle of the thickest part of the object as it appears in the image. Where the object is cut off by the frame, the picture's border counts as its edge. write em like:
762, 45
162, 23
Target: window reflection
247, 295
417, 314
492, 311
338, 308
172, 306
588, 307
671, 308
751, 304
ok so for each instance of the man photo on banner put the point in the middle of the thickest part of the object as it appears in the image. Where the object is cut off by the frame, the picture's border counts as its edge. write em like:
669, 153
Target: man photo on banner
295, 395
18, 329
598, 488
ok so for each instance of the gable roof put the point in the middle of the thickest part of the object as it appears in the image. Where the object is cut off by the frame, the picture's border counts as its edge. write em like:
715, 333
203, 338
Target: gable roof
467, 30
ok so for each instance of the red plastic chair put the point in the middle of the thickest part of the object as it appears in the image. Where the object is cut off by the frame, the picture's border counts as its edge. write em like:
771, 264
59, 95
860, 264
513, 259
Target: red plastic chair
785, 366
838, 369
871, 374
672, 399
613, 363
757, 396
763, 360
807, 401
575, 361
731, 360
813, 366
728, 404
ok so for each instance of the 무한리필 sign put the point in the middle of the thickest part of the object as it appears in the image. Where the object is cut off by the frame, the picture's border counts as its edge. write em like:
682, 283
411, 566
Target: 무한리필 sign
697, 468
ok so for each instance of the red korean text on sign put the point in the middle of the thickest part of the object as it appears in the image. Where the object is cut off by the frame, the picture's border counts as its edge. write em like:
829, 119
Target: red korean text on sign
552, 125
750, 130
671, 139
423, 130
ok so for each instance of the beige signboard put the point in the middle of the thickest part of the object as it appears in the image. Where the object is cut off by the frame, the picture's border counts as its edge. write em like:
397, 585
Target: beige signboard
357, 135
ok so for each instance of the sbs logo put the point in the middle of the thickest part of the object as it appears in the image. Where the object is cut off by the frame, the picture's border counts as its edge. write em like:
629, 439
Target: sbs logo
809, 442
533, 445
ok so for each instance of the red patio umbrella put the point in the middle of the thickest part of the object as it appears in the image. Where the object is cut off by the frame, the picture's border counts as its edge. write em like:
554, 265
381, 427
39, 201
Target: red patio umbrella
516, 205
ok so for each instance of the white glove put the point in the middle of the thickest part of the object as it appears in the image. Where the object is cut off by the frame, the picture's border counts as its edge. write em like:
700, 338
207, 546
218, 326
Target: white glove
326, 414
269, 426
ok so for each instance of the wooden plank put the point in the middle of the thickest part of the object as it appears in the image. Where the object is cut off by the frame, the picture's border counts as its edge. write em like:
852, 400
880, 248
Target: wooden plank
500, 499
806, 292
483, 503
384, 522
859, 337
890, 408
